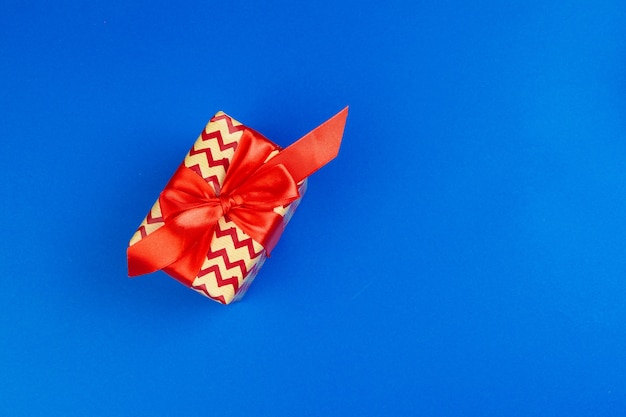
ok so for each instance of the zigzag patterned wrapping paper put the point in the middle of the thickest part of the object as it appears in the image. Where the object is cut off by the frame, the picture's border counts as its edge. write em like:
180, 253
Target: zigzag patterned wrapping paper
199, 229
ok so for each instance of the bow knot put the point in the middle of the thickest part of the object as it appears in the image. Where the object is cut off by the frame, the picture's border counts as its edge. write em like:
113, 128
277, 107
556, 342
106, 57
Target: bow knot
227, 202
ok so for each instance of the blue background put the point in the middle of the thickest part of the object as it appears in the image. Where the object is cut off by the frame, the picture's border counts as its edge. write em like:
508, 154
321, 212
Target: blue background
463, 256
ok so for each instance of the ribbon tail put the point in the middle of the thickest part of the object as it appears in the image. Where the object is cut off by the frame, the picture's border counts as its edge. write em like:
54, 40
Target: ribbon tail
154, 252
313, 150
169, 249
187, 268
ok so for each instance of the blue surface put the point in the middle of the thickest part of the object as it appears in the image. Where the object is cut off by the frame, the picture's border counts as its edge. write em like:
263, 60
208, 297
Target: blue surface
463, 256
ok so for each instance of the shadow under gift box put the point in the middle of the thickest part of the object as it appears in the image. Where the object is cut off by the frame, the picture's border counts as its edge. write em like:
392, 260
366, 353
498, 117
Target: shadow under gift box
234, 258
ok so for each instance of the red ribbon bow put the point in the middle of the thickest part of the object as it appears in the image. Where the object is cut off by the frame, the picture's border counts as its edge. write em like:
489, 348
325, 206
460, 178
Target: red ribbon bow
251, 190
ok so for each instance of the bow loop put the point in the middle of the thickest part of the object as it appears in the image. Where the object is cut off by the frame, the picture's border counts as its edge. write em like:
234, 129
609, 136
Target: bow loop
268, 188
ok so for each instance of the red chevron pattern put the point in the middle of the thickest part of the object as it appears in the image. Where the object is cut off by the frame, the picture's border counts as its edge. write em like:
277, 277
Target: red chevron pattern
149, 220
210, 162
230, 265
221, 281
229, 122
247, 243
224, 162
204, 291
210, 155
217, 135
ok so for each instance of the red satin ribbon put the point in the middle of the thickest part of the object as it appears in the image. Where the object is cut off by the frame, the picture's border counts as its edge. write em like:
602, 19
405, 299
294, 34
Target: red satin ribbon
249, 194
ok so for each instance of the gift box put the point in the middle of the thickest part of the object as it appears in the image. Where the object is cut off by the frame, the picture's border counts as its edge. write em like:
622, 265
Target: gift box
224, 209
